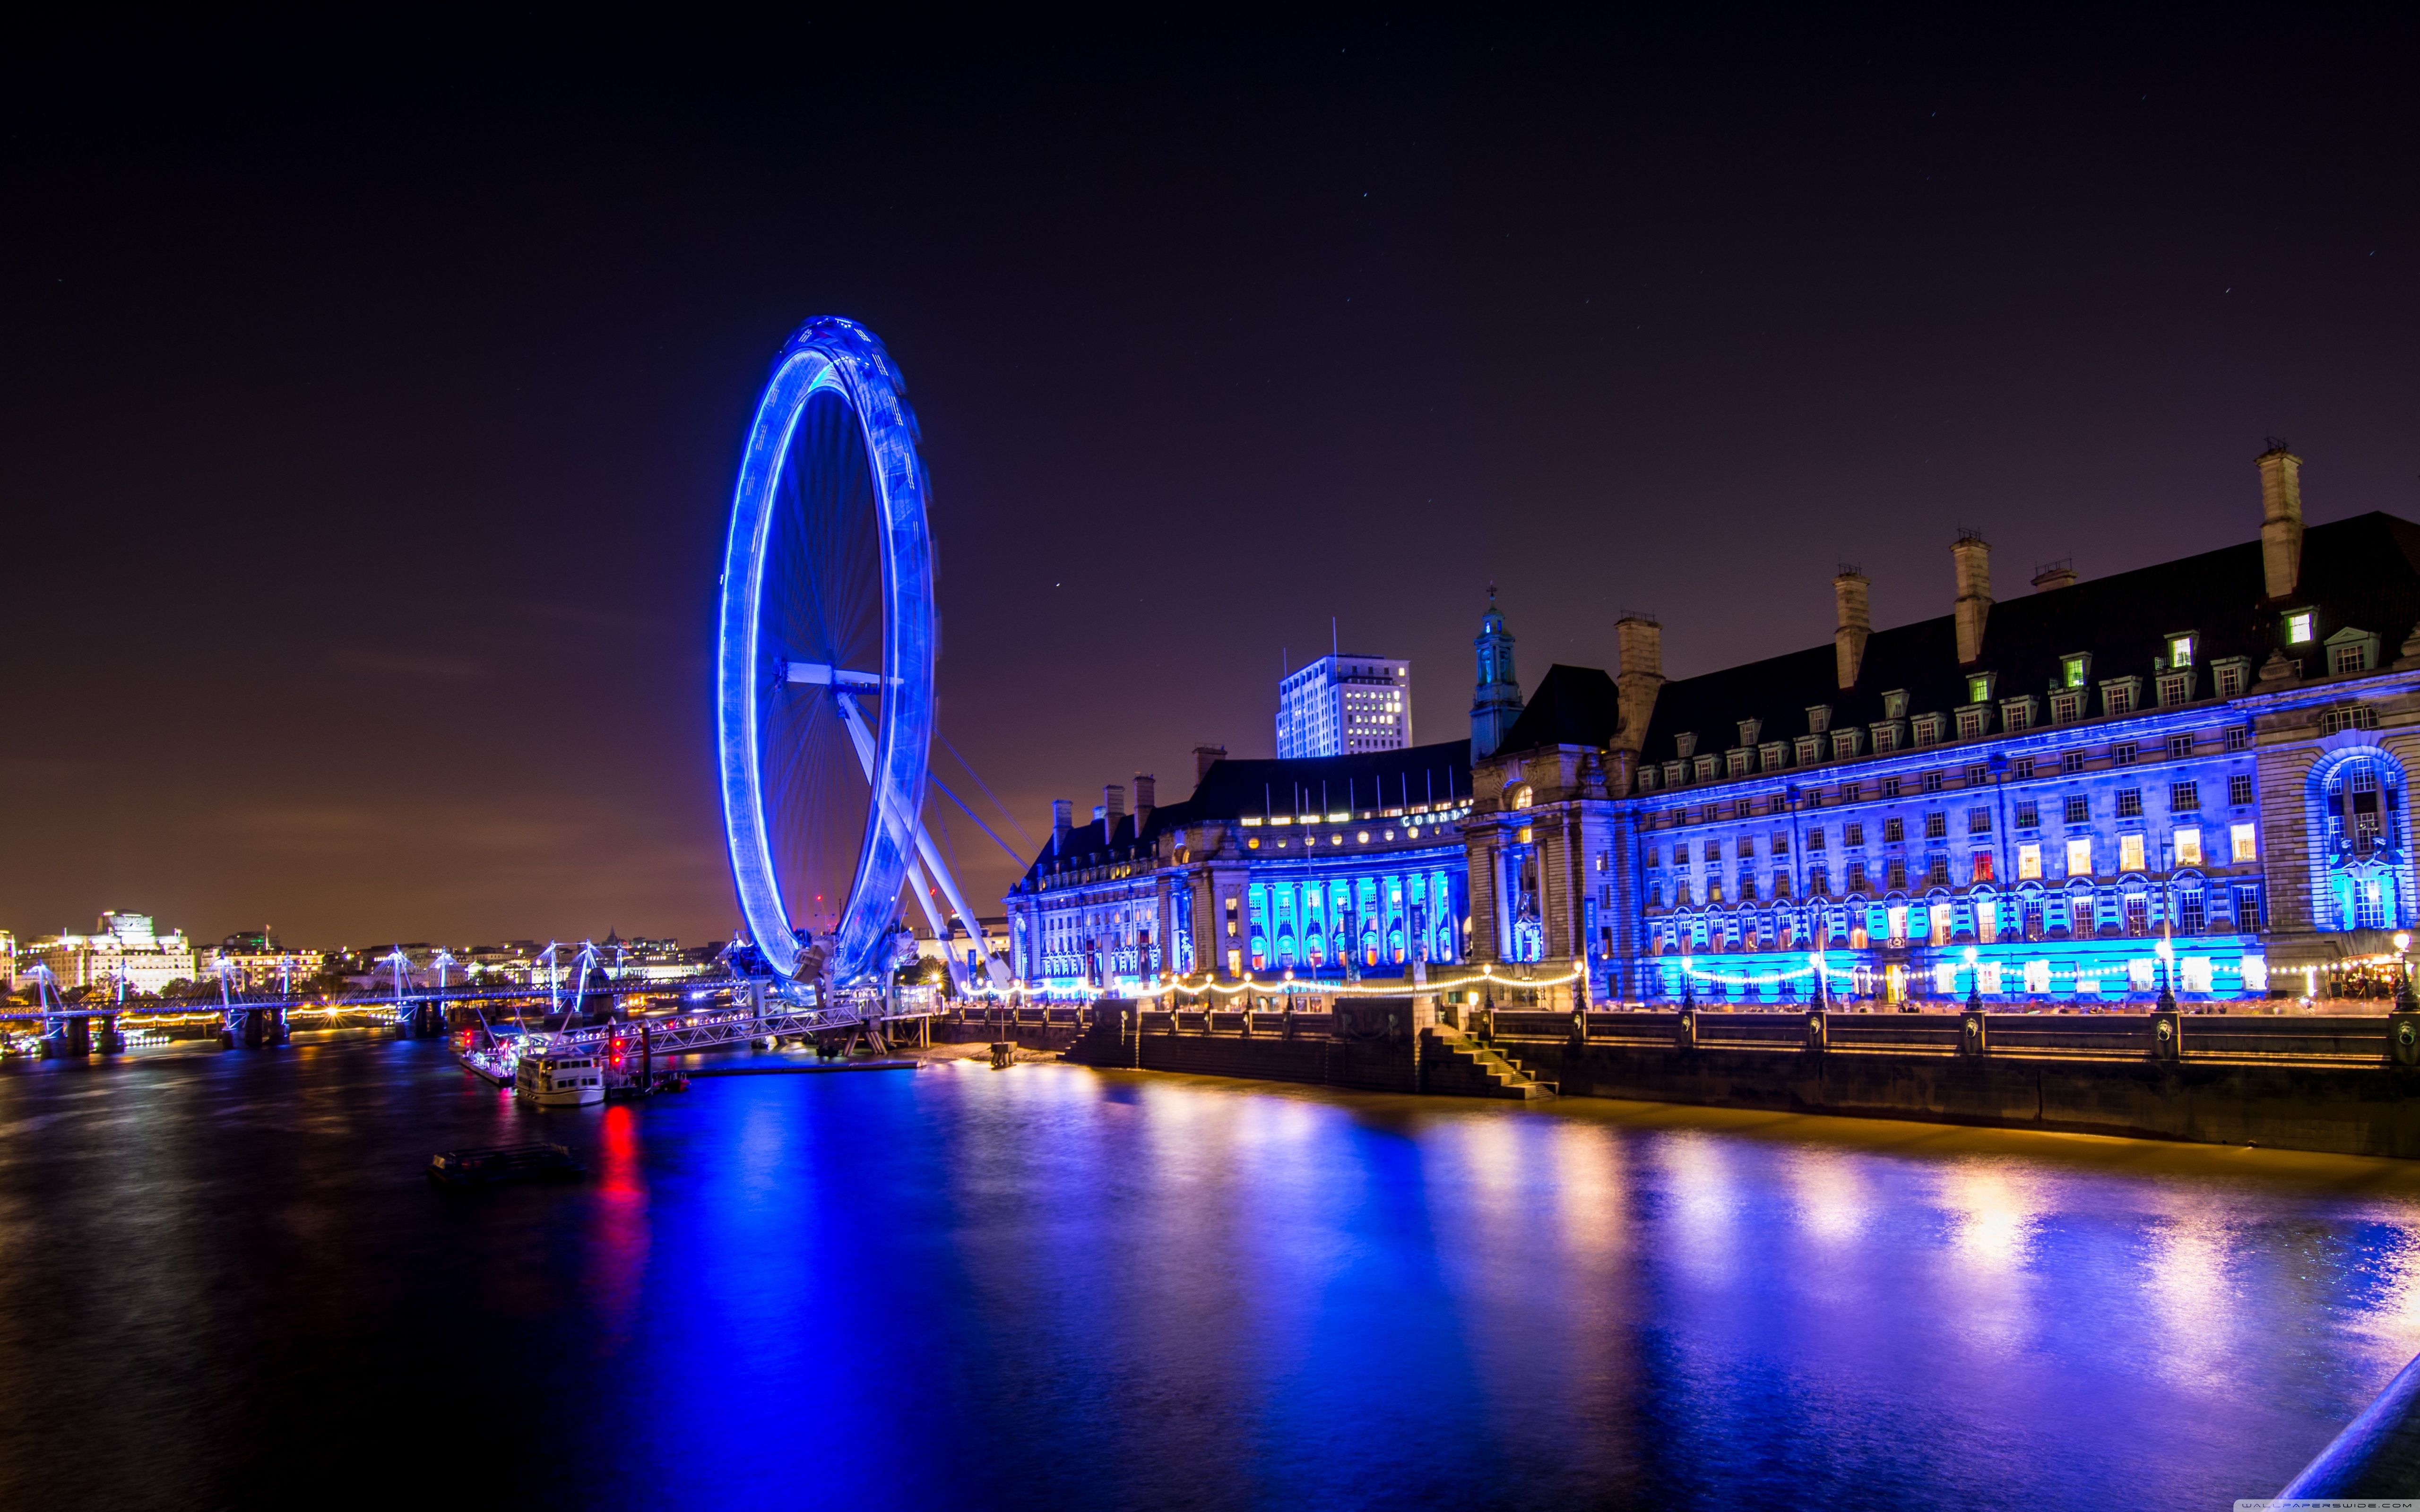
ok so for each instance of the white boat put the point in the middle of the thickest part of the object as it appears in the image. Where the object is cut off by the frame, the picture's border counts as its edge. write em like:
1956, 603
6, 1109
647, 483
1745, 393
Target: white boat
571, 1080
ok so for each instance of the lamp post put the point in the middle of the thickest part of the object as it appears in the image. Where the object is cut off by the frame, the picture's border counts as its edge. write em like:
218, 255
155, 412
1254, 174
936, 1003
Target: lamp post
2404, 1000
1974, 983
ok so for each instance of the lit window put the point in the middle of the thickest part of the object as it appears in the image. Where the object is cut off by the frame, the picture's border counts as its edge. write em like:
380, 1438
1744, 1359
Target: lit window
2181, 651
2130, 853
2028, 862
2298, 627
2246, 848
2188, 847
2079, 858
2073, 670
1978, 689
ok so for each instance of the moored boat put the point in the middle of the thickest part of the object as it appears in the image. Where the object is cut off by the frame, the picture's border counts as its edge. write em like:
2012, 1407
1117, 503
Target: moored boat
570, 1079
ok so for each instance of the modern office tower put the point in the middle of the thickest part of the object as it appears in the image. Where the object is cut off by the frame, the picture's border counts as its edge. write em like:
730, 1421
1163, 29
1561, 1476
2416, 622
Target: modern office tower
1344, 705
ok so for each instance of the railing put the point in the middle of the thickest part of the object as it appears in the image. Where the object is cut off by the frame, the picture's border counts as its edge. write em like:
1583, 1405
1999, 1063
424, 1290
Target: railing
2208, 1037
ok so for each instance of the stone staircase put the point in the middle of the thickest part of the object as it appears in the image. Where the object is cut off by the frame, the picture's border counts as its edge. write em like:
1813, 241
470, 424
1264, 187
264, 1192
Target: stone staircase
1463, 1067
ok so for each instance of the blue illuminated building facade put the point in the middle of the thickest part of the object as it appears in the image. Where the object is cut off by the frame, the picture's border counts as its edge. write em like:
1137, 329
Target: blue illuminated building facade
2189, 778
1318, 870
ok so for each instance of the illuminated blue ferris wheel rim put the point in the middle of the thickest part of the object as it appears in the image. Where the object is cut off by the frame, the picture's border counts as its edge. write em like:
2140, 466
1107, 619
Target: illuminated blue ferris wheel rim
836, 356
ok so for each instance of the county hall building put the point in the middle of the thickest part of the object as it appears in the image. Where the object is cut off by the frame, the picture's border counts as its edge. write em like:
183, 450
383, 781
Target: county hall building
2191, 776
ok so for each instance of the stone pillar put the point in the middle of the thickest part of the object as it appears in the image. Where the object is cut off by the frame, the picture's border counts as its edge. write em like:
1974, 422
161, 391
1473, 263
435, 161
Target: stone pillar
2167, 1035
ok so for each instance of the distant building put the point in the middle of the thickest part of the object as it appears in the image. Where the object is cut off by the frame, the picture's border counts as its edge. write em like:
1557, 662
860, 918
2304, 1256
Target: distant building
7, 961
642, 958
124, 948
1344, 705
961, 951
258, 963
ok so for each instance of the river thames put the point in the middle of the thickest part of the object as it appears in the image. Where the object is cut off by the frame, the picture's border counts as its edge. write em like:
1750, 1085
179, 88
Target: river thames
229, 1284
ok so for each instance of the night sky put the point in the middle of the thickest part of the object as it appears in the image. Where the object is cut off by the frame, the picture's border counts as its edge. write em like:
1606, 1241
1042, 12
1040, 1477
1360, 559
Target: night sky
369, 400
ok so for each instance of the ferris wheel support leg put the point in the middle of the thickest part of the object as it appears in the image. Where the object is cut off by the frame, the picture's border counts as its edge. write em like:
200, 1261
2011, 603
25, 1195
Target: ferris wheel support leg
864, 739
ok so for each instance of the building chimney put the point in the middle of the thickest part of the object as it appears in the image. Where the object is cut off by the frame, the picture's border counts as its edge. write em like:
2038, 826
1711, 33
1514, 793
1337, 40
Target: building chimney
1855, 623
1146, 798
1113, 807
2281, 518
1204, 757
2050, 575
1062, 820
1970, 558
1639, 640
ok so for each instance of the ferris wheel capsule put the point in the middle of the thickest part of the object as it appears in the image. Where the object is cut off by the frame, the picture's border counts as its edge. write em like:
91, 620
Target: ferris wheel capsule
824, 657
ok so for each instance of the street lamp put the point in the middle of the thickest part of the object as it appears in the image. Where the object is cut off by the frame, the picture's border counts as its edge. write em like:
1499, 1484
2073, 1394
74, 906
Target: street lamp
1974, 983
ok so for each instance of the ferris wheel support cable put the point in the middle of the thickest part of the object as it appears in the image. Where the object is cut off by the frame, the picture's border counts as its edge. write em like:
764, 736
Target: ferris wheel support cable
1005, 811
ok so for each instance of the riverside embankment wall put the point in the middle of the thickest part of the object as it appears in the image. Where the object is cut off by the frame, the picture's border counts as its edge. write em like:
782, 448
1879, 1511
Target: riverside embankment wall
2370, 1110
2339, 1085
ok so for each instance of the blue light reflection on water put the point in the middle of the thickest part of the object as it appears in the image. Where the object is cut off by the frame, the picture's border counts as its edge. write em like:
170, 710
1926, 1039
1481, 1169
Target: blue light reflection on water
226, 1284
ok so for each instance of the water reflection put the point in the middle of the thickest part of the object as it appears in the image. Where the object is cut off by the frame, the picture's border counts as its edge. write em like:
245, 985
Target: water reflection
1049, 1287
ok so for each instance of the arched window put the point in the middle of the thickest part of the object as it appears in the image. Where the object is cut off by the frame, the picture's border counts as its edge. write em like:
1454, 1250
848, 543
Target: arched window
2354, 810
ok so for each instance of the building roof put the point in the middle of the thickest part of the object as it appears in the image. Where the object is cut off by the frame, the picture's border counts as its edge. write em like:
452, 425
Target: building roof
1309, 784
1572, 706
2362, 573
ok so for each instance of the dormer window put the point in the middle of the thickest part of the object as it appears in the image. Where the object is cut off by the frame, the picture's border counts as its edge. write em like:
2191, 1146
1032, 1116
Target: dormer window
1844, 745
1747, 729
1979, 686
1686, 742
1705, 769
2181, 651
1771, 754
2017, 713
2351, 650
1819, 718
1973, 721
2301, 627
2233, 675
1811, 749
2119, 695
2177, 687
1674, 774
1928, 729
2066, 707
1885, 737
2075, 671
1895, 704
1736, 762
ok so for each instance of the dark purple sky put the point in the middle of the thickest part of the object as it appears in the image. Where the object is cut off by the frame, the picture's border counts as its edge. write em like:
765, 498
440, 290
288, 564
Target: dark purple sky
368, 401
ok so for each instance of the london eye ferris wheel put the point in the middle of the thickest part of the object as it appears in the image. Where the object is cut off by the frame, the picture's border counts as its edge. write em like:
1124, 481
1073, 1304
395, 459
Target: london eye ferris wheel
825, 659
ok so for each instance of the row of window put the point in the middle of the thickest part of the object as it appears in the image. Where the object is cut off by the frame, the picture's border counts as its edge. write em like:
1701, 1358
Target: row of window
2132, 854
2077, 912
2184, 799
2181, 747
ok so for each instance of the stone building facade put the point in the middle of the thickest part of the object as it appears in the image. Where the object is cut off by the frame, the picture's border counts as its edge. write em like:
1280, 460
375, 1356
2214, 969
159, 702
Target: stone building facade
2190, 778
